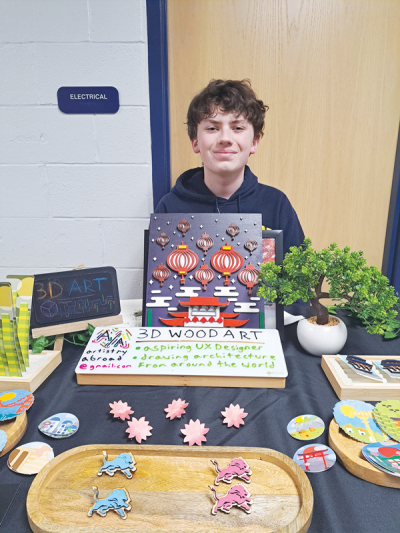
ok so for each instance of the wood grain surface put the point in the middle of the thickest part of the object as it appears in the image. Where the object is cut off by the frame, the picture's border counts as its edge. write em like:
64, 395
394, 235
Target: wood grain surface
362, 388
349, 452
15, 429
169, 491
330, 72
33, 381
180, 381
80, 325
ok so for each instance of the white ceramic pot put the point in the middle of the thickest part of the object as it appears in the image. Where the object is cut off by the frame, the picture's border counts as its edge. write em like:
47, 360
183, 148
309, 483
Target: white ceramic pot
322, 340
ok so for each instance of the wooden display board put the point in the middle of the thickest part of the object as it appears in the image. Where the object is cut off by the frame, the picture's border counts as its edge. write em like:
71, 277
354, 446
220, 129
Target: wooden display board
169, 491
194, 356
40, 367
350, 386
349, 451
72, 327
15, 429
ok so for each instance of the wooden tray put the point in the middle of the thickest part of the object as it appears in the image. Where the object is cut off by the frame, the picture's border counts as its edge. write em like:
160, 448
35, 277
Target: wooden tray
36, 373
15, 429
359, 388
169, 492
349, 451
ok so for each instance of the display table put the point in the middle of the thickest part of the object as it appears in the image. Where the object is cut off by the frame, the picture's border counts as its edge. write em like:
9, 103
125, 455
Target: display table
342, 503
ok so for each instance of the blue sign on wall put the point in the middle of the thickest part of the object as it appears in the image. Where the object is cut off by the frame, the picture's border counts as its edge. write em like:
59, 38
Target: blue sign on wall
88, 99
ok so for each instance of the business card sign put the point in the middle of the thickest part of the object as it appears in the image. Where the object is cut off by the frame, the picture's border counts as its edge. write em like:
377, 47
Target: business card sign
88, 99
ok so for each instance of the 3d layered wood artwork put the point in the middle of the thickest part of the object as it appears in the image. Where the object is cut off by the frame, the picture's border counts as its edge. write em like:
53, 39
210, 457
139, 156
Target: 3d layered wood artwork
203, 271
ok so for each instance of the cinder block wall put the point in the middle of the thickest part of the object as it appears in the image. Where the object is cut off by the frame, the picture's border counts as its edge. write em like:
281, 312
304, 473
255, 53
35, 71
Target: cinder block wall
74, 188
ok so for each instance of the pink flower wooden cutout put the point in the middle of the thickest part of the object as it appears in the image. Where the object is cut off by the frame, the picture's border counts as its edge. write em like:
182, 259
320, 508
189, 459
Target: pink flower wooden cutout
234, 415
139, 429
195, 432
176, 409
120, 410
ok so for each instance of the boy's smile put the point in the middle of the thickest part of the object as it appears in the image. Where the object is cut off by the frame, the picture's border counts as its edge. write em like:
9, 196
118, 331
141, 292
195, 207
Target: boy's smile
225, 142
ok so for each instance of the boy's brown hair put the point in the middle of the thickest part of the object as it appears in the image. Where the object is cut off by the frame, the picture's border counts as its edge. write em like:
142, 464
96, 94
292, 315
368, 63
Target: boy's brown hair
227, 95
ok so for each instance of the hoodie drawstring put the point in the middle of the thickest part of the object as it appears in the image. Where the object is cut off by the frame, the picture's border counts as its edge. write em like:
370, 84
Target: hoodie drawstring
217, 206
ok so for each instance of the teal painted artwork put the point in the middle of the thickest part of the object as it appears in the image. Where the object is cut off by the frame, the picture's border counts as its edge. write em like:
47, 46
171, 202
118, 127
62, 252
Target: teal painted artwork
14, 403
3, 439
385, 457
356, 419
315, 458
60, 425
306, 427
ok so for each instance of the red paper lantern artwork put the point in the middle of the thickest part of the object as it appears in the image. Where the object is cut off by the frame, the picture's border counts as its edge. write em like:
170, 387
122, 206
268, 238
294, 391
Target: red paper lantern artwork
204, 275
182, 260
233, 230
183, 226
161, 273
162, 240
226, 261
251, 245
249, 276
205, 242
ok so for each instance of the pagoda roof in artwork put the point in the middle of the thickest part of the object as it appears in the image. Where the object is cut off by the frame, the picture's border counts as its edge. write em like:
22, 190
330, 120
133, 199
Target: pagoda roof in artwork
313, 449
203, 300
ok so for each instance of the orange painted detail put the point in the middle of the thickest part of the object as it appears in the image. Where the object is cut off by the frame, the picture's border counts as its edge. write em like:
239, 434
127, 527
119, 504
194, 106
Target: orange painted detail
204, 300
231, 323
178, 322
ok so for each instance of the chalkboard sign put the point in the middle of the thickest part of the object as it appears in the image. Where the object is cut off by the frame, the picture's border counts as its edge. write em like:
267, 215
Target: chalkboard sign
75, 295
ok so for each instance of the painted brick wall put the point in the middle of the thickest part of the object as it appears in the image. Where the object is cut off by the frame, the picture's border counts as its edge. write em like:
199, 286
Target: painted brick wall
74, 188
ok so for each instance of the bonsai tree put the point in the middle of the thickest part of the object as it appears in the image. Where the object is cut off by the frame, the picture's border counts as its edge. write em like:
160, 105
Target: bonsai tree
359, 289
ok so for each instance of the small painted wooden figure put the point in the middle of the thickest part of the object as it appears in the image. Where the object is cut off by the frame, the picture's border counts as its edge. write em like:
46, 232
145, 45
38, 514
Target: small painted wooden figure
118, 500
237, 496
236, 468
124, 462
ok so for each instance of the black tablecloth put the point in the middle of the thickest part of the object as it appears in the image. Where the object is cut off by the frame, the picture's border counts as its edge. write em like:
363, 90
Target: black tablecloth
343, 503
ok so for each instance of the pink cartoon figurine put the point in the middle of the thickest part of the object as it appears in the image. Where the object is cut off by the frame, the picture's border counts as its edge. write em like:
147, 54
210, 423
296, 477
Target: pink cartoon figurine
237, 468
237, 495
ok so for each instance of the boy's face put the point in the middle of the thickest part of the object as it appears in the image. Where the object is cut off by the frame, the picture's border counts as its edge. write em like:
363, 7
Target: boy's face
225, 143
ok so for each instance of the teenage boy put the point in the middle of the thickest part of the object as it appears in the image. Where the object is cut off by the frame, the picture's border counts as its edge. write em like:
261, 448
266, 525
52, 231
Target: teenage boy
225, 124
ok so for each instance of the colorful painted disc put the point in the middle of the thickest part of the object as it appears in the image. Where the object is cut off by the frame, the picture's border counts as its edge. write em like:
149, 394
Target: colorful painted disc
306, 427
315, 458
60, 425
356, 418
14, 403
387, 414
385, 457
3, 439
30, 458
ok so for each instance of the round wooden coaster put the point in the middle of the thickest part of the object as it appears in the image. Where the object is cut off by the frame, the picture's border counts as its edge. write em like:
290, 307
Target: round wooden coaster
15, 429
349, 451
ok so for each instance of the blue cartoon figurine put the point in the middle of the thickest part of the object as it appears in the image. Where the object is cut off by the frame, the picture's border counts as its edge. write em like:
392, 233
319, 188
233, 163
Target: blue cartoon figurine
117, 500
123, 462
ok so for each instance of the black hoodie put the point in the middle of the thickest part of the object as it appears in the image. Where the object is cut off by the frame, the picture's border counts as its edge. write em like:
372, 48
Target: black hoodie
191, 195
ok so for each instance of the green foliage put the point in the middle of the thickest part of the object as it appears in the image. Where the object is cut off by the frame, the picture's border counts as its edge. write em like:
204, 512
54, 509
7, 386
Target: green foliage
354, 286
41, 343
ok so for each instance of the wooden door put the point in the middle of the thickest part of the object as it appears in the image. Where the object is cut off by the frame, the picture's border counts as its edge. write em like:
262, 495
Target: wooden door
330, 72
